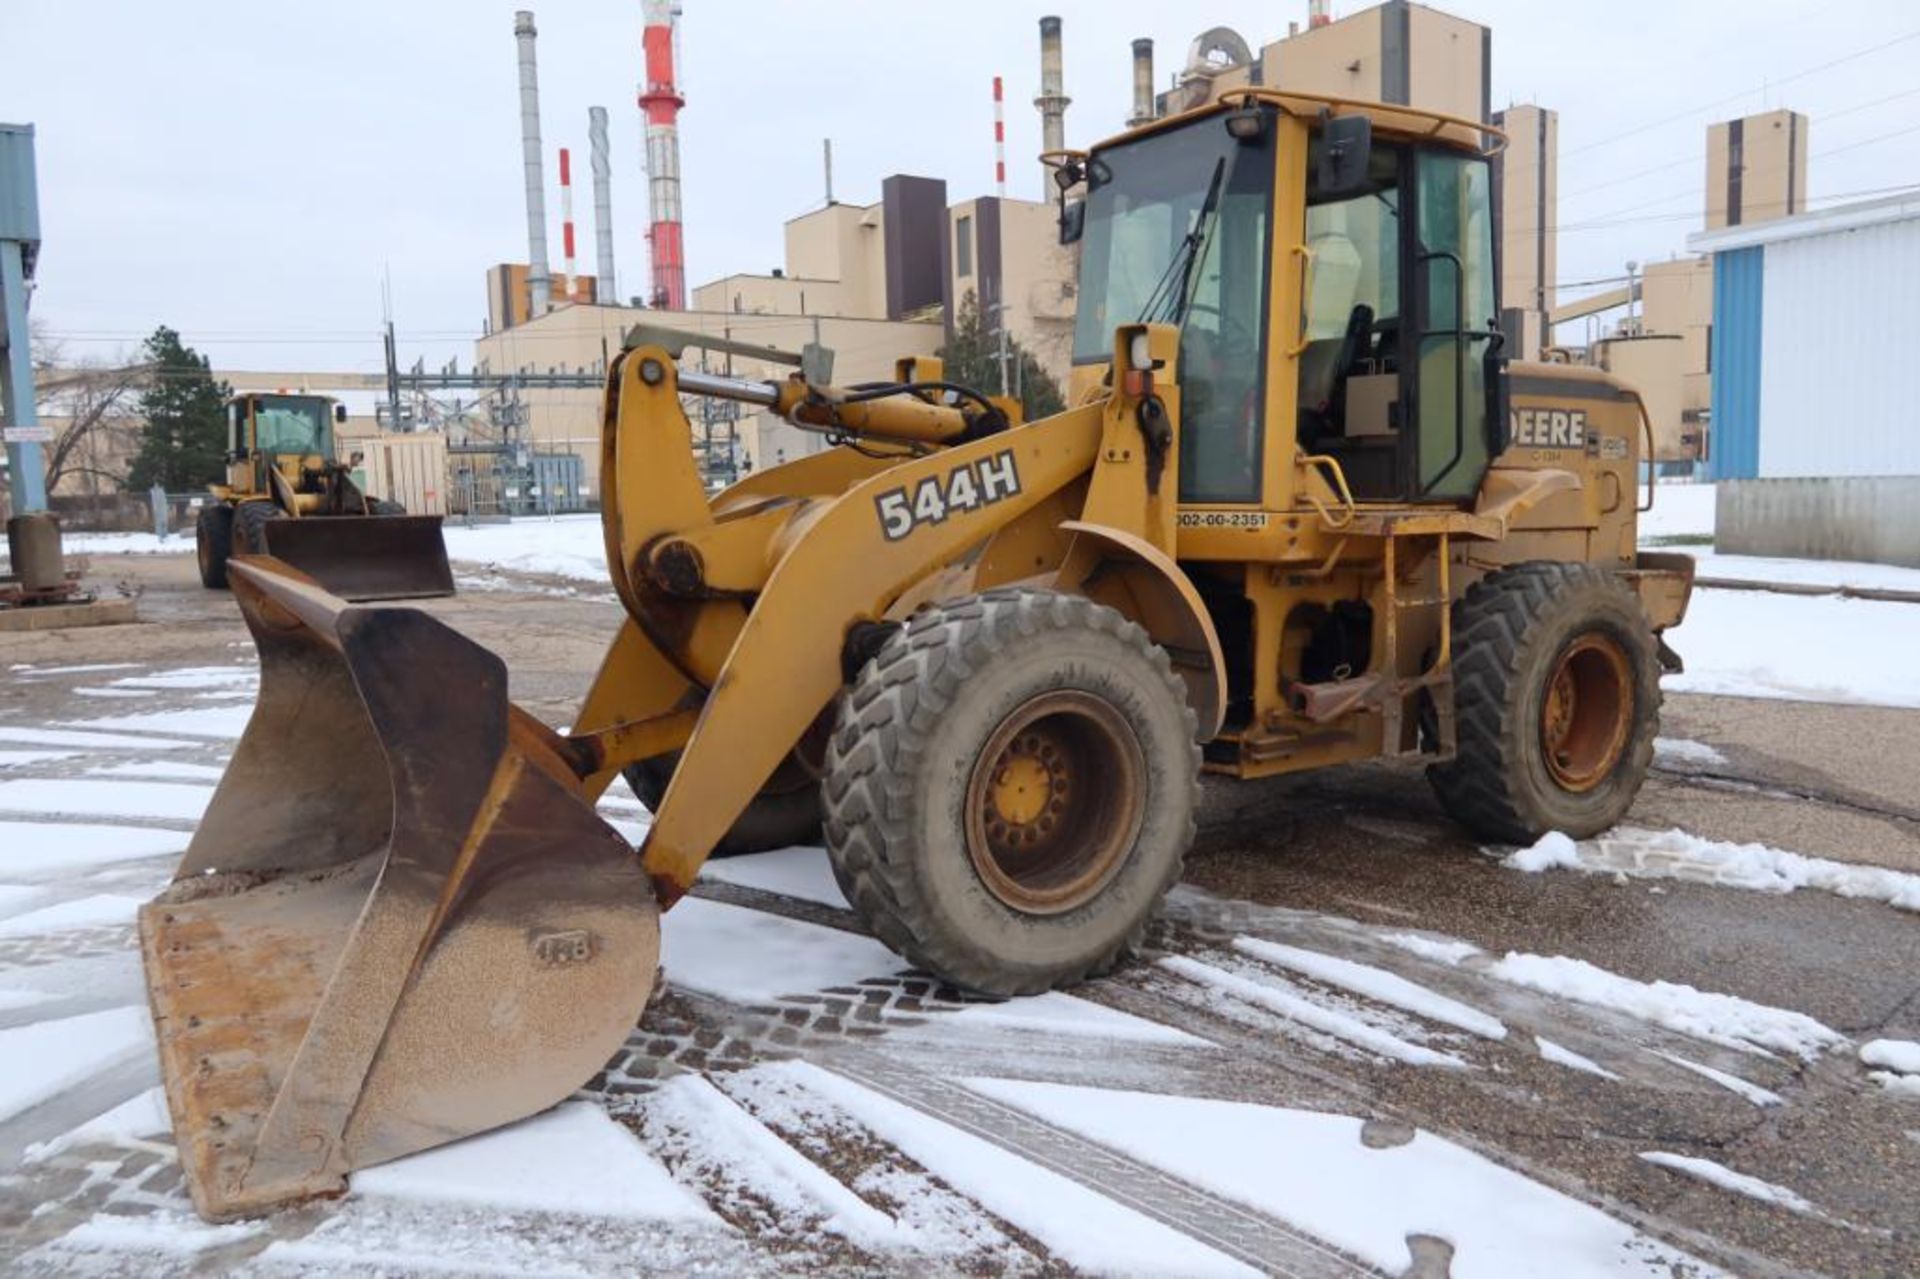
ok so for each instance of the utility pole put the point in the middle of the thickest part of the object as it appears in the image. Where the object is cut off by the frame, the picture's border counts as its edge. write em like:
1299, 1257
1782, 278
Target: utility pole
19, 247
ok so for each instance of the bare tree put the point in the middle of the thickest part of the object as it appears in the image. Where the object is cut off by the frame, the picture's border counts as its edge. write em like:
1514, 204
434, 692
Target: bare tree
91, 405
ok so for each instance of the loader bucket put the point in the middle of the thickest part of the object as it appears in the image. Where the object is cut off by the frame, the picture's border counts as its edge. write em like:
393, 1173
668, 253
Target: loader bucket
366, 557
400, 922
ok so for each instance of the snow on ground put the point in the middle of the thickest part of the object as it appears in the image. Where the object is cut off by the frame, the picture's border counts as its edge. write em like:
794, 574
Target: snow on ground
1900, 1062
1292, 1004
1727, 1179
41, 1060
1679, 750
141, 1115
164, 768
33, 848
1818, 648
572, 1159
1560, 1056
1313, 1170
85, 741
1674, 854
1375, 983
748, 956
566, 546
204, 721
1722, 1019
1717, 1018
102, 910
1833, 573
1732, 1083
801, 873
20, 759
105, 799
1084, 1229
1680, 510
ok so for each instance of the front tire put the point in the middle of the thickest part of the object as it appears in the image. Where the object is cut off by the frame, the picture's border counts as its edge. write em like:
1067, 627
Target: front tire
213, 543
250, 527
1556, 687
1011, 788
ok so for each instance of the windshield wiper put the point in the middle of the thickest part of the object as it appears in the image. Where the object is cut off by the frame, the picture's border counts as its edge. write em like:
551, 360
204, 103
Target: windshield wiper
1168, 301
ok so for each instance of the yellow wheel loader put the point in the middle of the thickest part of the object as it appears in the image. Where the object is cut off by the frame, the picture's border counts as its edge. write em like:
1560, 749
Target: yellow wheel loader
1301, 512
286, 496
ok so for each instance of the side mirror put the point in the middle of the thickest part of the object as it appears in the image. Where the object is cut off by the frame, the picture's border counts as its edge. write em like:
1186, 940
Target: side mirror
340, 413
1346, 155
1073, 221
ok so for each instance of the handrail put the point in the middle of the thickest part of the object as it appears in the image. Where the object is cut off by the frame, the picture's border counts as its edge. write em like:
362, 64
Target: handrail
1494, 140
1337, 481
1646, 421
1305, 255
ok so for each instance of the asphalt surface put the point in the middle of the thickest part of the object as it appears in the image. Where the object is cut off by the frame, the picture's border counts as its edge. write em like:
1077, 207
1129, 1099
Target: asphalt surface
1369, 845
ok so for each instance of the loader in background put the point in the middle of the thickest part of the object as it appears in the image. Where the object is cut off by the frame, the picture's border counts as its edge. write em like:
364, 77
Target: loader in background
1301, 512
286, 495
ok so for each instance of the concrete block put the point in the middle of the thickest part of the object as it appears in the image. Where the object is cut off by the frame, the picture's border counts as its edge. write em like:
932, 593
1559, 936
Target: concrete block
53, 617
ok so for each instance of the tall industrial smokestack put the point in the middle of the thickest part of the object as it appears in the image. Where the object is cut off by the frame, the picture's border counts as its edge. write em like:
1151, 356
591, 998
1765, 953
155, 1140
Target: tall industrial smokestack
1053, 100
1319, 13
604, 289
1142, 84
538, 280
660, 100
1000, 139
569, 272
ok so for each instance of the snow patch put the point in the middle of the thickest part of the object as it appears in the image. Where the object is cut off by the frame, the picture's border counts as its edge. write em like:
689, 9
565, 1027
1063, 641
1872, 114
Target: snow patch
1680, 750
1722, 1019
46, 1058
1559, 1056
20, 759
572, 1159
161, 768
1727, 1179
1441, 950
710, 1136
752, 957
160, 1231
104, 910
1902, 1056
14, 1000
203, 721
1085, 1229
140, 1116
1057, 1013
194, 677
1550, 850
1732, 1083
1313, 1170
91, 741
1376, 984
800, 873
105, 799
1674, 854
1297, 1008
1806, 648
34, 847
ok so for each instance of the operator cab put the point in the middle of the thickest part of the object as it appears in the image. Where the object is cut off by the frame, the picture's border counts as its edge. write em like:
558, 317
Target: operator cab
1390, 365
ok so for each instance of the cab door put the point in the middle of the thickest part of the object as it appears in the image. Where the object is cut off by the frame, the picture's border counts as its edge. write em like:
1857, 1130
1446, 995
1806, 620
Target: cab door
1453, 372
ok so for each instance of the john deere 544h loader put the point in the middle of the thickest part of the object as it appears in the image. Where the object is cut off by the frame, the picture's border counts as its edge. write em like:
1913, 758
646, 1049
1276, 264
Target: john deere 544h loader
1301, 512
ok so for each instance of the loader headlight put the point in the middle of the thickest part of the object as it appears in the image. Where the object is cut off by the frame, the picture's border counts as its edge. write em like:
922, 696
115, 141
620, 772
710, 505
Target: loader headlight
1140, 351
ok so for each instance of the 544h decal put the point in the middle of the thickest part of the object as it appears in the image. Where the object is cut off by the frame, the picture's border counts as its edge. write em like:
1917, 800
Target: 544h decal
964, 488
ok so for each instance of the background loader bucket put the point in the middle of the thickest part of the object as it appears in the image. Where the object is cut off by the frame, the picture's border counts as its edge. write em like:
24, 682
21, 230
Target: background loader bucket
400, 923
366, 557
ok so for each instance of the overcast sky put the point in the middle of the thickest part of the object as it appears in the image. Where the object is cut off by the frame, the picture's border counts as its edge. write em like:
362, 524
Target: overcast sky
246, 171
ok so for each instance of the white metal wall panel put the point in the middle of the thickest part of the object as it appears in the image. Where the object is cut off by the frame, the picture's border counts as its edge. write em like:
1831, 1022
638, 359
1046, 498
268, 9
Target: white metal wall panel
1840, 342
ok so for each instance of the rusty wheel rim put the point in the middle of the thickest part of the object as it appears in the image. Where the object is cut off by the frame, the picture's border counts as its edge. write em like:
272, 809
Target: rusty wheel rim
1055, 800
1587, 713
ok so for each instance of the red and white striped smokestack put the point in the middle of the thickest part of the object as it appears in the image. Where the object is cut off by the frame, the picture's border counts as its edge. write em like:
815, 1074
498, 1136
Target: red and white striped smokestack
1319, 13
660, 101
569, 277
999, 139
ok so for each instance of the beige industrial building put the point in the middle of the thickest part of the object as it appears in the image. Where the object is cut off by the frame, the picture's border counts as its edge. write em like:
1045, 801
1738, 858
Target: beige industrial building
1756, 169
1526, 184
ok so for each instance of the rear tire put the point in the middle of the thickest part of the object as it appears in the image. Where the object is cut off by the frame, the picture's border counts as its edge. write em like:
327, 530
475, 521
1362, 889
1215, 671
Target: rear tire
1556, 687
213, 543
1011, 789
785, 812
381, 506
249, 527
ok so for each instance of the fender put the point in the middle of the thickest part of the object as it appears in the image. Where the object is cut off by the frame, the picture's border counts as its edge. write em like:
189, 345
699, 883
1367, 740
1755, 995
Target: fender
1129, 573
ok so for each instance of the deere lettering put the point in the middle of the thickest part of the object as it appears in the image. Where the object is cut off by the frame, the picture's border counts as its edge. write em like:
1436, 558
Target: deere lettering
1550, 428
